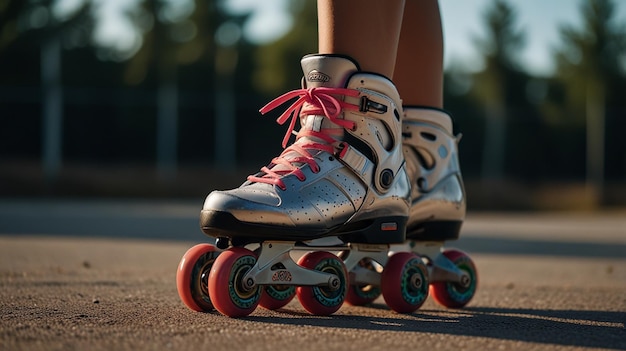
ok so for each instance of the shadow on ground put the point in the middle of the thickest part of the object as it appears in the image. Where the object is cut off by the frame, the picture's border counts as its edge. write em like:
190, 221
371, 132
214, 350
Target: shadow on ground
597, 329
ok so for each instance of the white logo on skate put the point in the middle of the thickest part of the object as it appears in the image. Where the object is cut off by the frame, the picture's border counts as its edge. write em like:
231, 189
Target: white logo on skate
317, 76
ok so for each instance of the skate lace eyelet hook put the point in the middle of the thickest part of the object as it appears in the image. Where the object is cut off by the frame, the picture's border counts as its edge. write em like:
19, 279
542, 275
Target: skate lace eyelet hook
314, 168
353, 127
301, 177
342, 149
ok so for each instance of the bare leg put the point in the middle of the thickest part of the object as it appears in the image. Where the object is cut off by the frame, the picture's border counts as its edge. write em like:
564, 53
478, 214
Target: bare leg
418, 73
366, 30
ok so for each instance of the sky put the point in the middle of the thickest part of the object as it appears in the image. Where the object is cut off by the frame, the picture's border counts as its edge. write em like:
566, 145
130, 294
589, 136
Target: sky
461, 21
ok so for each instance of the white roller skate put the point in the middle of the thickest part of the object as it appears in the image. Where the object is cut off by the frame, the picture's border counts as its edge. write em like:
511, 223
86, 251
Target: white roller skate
343, 179
438, 204
436, 215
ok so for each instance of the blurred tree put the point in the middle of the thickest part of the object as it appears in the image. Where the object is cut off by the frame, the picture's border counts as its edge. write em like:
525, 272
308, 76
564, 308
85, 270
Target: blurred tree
274, 69
171, 39
174, 33
590, 69
495, 84
468, 115
278, 68
9, 16
167, 36
33, 33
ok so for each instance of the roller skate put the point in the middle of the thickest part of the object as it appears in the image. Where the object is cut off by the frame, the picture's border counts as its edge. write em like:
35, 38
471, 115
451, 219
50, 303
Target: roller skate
339, 196
436, 214
438, 204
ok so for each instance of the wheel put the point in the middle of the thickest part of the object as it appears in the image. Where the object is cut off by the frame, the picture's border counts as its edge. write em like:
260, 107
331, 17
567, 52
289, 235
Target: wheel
323, 300
192, 277
362, 294
456, 295
277, 296
228, 291
404, 282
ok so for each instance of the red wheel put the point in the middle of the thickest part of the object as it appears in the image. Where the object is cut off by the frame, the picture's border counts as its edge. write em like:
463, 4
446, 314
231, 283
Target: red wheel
192, 277
360, 295
230, 294
323, 300
363, 294
404, 282
457, 295
277, 296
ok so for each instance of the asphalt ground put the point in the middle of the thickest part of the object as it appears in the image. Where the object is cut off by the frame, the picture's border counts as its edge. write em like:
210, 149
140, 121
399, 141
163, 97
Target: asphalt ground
100, 275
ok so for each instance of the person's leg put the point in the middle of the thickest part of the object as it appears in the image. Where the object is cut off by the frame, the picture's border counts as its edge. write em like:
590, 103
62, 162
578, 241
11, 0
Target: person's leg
418, 73
431, 153
430, 146
366, 30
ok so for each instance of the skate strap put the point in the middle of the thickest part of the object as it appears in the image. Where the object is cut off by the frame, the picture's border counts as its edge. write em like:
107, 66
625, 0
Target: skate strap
319, 101
354, 159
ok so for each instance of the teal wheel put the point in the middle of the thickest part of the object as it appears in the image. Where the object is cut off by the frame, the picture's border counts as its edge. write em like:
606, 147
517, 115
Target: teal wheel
452, 294
404, 282
277, 296
231, 295
327, 299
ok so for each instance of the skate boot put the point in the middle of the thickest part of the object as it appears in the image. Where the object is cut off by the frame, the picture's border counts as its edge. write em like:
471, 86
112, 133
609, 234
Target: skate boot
343, 179
437, 203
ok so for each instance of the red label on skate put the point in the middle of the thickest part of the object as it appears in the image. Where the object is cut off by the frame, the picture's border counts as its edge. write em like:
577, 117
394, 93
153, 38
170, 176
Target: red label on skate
389, 226
281, 276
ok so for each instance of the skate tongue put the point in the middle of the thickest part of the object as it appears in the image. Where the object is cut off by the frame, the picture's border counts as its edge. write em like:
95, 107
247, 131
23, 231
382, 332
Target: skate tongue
327, 71
315, 123
320, 71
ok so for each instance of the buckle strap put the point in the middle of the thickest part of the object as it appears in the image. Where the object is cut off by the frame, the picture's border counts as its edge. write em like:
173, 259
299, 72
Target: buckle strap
358, 162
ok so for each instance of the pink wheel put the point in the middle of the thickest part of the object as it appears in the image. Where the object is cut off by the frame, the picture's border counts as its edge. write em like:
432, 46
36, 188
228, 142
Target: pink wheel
456, 295
231, 295
405, 282
277, 296
323, 300
361, 295
192, 277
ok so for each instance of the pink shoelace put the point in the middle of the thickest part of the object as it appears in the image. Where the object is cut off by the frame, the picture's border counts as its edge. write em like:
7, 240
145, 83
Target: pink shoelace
319, 101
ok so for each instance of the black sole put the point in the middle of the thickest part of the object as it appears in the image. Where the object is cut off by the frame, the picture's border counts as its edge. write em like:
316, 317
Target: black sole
387, 230
435, 231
